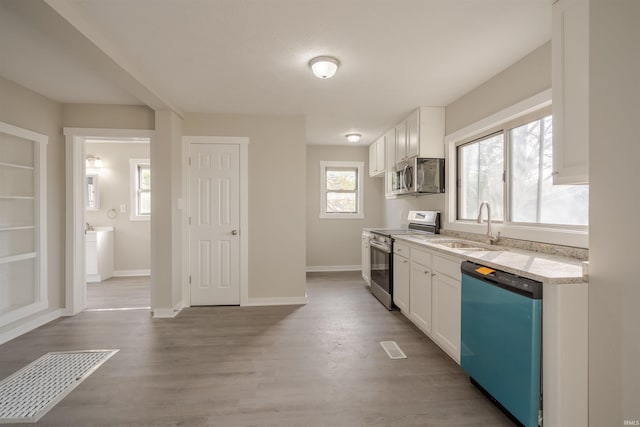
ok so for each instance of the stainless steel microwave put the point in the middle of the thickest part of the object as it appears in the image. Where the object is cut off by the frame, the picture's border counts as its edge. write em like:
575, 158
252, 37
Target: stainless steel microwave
418, 175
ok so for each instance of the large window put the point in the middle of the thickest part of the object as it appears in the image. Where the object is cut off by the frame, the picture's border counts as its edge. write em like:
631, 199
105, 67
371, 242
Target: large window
511, 168
140, 189
341, 192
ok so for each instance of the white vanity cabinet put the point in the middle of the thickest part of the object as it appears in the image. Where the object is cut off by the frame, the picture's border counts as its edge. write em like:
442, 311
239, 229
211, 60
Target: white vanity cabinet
99, 254
366, 257
570, 80
401, 274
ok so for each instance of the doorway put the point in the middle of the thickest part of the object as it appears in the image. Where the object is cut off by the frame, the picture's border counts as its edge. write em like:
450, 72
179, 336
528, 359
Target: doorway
118, 223
108, 217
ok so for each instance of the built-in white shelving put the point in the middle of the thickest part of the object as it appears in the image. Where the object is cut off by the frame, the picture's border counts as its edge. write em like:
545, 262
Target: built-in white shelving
23, 226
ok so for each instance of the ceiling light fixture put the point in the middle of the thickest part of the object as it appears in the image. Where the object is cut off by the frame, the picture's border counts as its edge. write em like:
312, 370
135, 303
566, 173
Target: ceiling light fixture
93, 162
353, 137
324, 67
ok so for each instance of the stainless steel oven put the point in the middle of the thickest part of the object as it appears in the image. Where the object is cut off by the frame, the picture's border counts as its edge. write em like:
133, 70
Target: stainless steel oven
382, 268
381, 251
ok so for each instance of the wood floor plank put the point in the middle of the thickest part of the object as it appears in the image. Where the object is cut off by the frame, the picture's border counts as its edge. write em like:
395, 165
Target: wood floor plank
314, 365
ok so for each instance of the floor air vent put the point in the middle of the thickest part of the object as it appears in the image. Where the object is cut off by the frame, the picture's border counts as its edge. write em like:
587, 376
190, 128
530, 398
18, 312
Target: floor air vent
32, 391
392, 349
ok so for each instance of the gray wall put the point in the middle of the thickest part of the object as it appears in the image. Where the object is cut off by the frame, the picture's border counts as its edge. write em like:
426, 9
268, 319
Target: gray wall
132, 240
523, 79
336, 242
108, 116
21, 107
614, 231
277, 184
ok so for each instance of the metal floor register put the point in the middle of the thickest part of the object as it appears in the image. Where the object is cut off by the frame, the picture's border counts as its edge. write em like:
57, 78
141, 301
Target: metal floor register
31, 392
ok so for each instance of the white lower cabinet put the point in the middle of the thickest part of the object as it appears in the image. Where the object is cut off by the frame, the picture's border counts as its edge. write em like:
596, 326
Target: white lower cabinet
420, 296
401, 274
427, 289
446, 314
366, 257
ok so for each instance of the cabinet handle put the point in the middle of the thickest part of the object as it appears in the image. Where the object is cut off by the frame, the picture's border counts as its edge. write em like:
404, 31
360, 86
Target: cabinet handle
405, 261
555, 173
426, 272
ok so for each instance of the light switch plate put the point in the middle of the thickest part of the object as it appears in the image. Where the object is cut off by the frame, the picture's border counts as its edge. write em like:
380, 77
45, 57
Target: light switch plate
123, 208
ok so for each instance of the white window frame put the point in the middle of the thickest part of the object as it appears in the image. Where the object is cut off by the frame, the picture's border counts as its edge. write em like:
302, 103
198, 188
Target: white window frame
569, 236
133, 180
323, 190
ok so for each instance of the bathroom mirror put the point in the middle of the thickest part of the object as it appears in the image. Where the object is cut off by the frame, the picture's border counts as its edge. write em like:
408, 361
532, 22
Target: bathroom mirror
91, 194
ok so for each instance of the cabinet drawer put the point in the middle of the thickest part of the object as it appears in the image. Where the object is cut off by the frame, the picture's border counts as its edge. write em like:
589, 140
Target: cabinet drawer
400, 249
447, 266
421, 257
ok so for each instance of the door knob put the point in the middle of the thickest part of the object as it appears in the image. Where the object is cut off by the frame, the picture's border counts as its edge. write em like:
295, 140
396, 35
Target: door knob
234, 232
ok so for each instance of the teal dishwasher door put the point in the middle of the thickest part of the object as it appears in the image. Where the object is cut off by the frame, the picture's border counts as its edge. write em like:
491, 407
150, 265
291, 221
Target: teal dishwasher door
501, 321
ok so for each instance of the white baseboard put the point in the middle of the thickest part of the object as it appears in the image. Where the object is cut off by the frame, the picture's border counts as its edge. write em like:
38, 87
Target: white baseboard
276, 301
30, 325
323, 268
131, 273
167, 313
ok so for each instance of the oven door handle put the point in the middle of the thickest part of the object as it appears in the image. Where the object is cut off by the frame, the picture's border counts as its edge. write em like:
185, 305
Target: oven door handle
380, 247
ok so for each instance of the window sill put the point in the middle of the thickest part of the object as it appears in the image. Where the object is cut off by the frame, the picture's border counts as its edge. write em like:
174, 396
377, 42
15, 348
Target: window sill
578, 238
342, 216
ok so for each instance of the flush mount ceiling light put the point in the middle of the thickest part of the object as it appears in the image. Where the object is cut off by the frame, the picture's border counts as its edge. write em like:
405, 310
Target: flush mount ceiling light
324, 67
353, 137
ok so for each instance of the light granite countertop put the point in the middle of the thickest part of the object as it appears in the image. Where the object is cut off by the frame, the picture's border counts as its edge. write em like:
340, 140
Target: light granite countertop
552, 269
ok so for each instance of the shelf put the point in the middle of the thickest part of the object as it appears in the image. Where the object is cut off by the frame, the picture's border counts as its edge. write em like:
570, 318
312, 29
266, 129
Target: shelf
15, 258
16, 166
17, 197
21, 227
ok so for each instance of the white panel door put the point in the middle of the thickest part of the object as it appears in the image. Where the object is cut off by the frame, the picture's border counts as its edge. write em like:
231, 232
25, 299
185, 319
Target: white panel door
214, 243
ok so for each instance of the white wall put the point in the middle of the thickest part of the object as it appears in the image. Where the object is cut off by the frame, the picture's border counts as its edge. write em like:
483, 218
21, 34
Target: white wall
614, 230
335, 243
277, 201
21, 107
132, 241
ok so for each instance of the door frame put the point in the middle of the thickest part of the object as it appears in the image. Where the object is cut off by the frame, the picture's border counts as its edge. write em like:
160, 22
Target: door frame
243, 143
75, 289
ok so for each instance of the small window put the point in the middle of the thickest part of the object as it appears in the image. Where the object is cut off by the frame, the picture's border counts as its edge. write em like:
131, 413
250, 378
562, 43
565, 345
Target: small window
341, 190
140, 189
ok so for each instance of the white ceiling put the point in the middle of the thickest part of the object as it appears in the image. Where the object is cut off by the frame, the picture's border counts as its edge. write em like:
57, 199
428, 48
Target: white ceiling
250, 56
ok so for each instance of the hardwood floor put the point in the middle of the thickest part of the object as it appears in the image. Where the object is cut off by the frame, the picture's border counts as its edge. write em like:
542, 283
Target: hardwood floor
314, 365
120, 292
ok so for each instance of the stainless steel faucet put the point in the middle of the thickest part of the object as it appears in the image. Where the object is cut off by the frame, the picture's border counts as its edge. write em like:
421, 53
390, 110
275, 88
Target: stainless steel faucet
490, 237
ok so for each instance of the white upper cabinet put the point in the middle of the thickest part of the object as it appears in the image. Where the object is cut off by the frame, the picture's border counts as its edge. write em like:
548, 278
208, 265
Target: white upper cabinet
413, 134
376, 157
401, 141
421, 134
570, 82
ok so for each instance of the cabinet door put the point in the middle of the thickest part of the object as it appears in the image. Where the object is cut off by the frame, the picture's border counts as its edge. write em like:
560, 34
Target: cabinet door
380, 151
366, 259
401, 283
401, 142
420, 301
413, 134
373, 161
389, 159
446, 314
570, 80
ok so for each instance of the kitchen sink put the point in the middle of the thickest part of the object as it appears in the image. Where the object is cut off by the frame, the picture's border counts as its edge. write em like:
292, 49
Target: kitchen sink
464, 246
